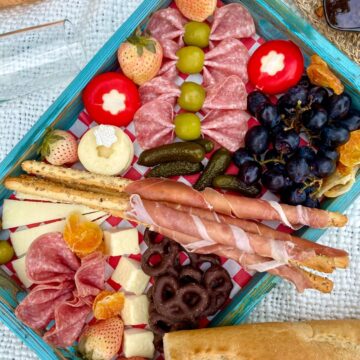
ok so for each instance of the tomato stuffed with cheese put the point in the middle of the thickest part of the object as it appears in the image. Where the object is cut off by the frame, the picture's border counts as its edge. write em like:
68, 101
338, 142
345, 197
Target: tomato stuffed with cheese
276, 66
111, 99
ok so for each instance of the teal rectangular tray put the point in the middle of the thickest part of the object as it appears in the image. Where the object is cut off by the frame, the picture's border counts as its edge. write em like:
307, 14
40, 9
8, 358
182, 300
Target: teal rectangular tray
274, 20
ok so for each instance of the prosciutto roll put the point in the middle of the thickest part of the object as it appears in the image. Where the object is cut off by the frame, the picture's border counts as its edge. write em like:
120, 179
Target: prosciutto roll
234, 205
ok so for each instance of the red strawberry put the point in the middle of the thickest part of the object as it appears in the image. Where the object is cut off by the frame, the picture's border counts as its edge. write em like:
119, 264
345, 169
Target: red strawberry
59, 147
102, 341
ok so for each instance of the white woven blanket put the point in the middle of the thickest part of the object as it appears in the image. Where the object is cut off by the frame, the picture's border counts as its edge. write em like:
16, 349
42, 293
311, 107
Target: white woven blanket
100, 18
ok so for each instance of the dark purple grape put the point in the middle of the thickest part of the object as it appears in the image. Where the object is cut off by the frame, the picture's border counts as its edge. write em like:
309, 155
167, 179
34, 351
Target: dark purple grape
294, 195
271, 154
288, 182
275, 157
318, 95
285, 107
339, 106
269, 116
241, 156
287, 142
256, 101
298, 169
304, 82
273, 180
315, 118
333, 136
257, 139
305, 152
351, 121
250, 172
311, 203
323, 167
298, 96
275, 130
329, 91
331, 154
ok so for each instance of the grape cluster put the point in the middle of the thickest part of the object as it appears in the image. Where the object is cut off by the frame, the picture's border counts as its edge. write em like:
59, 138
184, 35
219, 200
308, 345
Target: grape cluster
273, 154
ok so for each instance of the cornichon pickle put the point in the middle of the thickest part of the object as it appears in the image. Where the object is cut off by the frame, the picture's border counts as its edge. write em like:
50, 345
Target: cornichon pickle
217, 165
183, 151
231, 182
176, 168
206, 144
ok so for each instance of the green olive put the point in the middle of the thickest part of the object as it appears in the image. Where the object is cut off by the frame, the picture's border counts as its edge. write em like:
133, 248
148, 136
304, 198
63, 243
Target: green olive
197, 34
192, 96
191, 59
6, 252
187, 126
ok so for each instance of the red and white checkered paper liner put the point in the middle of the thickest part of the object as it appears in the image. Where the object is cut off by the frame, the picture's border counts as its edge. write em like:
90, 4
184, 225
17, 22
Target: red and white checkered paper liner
240, 277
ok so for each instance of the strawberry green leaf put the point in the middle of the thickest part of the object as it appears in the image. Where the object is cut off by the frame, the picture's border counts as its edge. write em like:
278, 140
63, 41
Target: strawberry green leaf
140, 50
151, 47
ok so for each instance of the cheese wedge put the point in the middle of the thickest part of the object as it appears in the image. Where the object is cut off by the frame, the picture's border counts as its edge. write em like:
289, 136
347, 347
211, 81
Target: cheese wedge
135, 310
130, 276
19, 213
138, 342
121, 242
19, 267
21, 240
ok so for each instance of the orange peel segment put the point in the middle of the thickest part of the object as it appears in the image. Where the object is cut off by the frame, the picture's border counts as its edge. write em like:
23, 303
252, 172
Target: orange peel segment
320, 74
108, 304
350, 152
83, 237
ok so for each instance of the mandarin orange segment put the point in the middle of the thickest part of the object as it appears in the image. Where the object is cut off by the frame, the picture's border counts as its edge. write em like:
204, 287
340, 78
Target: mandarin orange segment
350, 152
83, 237
108, 304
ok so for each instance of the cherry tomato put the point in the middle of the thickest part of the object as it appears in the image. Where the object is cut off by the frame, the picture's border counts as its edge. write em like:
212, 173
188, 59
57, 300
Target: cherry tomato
276, 66
111, 99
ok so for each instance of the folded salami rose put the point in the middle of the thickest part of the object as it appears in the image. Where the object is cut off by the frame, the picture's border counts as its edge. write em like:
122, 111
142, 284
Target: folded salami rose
64, 291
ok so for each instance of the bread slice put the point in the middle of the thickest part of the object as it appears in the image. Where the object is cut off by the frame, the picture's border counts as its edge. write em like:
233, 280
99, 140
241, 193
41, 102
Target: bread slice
313, 340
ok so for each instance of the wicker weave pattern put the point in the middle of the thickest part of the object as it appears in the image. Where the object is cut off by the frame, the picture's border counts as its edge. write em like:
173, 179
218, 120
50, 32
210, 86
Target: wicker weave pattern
348, 42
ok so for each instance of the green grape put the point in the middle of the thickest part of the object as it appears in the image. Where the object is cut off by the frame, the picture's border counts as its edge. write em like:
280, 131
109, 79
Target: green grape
191, 59
6, 252
197, 34
187, 126
192, 96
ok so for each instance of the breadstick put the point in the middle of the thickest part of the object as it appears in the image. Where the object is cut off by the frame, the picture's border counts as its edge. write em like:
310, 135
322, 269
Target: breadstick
113, 204
72, 176
234, 205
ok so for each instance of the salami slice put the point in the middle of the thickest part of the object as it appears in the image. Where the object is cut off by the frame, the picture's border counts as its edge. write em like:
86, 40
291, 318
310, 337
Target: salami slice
159, 88
154, 124
37, 309
229, 94
229, 57
226, 127
70, 319
49, 260
90, 277
232, 21
167, 24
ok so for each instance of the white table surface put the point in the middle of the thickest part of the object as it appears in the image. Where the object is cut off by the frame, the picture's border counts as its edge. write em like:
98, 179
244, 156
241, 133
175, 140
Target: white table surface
17, 117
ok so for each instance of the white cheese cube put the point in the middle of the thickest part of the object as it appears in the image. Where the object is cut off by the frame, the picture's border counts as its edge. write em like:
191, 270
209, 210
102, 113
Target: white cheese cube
20, 269
136, 310
138, 342
130, 276
122, 242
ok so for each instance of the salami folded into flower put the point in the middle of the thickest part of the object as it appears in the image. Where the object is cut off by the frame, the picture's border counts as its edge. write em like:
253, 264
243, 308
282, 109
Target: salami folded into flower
64, 291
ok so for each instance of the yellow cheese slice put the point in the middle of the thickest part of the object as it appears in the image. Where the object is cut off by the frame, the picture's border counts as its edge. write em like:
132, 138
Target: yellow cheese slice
19, 213
21, 240
19, 267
